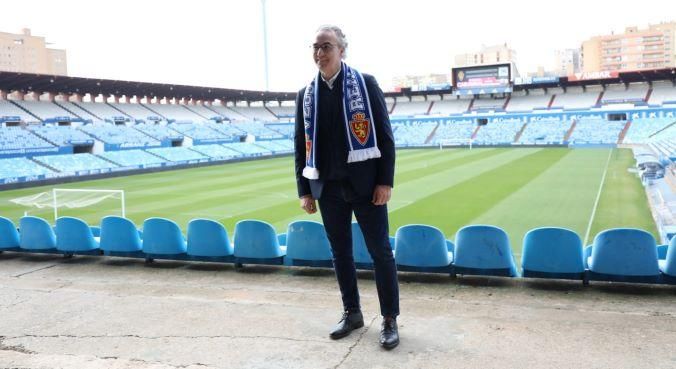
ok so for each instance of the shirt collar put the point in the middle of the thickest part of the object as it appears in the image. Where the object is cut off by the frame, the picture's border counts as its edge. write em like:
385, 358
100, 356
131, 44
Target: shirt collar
331, 80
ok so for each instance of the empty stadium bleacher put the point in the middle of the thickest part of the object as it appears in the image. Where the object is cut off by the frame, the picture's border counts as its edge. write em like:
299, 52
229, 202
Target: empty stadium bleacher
61, 136
122, 135
21, 167
72, 163
132, 158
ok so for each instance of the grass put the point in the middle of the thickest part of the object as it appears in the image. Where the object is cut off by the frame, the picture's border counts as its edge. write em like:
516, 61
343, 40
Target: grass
516, 189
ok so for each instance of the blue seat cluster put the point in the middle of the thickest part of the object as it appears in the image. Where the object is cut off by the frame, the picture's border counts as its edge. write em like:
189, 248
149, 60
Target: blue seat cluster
621, 255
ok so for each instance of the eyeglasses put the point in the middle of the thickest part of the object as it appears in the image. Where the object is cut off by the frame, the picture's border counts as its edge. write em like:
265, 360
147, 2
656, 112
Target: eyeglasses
325, 47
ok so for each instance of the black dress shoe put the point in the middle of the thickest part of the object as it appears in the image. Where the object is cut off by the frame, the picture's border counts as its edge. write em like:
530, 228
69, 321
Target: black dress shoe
389, 334
350, 321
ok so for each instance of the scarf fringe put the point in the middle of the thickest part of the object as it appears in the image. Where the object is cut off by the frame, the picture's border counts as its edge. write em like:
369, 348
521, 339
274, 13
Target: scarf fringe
363, 154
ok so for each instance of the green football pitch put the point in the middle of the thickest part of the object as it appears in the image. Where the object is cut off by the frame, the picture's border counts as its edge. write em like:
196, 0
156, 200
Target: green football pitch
517, 189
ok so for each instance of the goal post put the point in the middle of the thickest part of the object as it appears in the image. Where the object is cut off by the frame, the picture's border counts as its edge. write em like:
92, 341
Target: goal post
78, 198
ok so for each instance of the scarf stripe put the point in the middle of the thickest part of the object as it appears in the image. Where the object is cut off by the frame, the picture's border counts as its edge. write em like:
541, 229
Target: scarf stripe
357, 115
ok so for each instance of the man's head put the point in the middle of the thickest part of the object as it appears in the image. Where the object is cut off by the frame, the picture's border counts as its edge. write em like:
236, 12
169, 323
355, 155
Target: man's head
329, 49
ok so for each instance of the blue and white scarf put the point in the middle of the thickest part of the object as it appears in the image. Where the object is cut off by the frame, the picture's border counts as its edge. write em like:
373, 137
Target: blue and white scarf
361, 134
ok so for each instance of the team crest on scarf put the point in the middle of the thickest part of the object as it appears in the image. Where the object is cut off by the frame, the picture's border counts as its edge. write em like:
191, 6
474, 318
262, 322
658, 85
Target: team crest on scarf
360, 127
358, 120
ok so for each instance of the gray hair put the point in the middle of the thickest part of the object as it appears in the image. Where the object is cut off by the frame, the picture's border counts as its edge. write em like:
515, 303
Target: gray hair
342, 40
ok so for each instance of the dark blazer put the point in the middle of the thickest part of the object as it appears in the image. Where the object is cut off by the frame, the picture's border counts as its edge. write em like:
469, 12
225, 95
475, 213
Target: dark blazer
363, 175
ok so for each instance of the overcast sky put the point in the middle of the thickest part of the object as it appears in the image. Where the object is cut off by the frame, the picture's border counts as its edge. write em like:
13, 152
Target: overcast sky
220, 43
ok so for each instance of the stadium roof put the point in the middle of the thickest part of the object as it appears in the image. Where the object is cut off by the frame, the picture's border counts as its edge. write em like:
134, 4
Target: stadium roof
29, 82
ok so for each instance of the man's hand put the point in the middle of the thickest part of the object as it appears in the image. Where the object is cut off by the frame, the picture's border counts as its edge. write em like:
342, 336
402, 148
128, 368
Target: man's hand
381, 195
308, 204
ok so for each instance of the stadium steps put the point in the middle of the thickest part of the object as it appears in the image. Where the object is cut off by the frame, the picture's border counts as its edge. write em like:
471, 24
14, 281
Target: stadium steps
623, 133
44, 165
24, 109
570, 131
551, 101
504, 106
663, 129
271, 112
68, 110
215, 112
109, 161
434, 131
154, 111
647, 95
518, 134
393, 106
429, 109
87, 110
44, 138
469, 109
476, 130
121, 112
187, 107
598, 99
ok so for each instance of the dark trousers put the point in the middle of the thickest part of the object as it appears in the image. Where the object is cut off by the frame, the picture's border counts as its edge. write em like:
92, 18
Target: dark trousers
337, 202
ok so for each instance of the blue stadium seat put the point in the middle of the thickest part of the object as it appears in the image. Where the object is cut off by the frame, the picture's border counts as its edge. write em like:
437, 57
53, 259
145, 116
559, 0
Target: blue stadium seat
162, 239
667, 261
73, 236
281, 238
307, 245
119, 237
551, 252
422, 248
208, 241
483, 250
256, 243
9, 236
36, 235
624, 255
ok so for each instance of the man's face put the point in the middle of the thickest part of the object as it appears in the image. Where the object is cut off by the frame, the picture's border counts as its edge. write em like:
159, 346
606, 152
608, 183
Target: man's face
326, 53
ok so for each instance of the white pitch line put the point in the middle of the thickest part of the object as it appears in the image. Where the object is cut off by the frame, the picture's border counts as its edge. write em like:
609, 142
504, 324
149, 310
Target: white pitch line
596, 203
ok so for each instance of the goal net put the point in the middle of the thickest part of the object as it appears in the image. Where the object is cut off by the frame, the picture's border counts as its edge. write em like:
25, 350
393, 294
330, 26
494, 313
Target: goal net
64, 198
456, 142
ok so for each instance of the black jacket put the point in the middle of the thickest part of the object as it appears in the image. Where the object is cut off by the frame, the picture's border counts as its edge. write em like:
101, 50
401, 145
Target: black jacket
363, 175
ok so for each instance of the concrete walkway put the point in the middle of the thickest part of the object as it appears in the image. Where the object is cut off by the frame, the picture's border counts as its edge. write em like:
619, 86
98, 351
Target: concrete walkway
93, 312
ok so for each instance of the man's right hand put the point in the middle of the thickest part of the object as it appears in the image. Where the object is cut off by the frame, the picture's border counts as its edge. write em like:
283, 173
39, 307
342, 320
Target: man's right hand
308, 204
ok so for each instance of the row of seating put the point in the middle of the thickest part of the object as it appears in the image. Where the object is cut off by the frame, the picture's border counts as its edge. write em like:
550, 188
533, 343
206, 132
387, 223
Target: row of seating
623, 254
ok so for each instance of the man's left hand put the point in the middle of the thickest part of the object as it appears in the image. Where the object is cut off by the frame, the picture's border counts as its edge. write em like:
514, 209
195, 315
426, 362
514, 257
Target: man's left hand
381, 195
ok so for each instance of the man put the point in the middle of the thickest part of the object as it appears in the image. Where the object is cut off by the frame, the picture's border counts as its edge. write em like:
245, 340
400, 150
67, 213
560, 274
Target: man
345, 159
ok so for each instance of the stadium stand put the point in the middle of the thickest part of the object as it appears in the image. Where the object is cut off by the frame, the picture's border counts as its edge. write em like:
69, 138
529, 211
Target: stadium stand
499, 133
21, 167
248, 149
45, 110
535, 99
159, 131
136, 111
412, 133
176, 112
488, 103
286, 110
77, 110
216, 151
177, 154
257, 129
277, 146
198, 131
286, 130
8, 109
203, 111
227, 112
101, 110
544, 132
575, 98
71, 163
120, 135
450, 105
256, 112
132, 158
461, 131
596, 131
417, 106
662, 92
620, 93
61, 135
16, 138
642, 128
